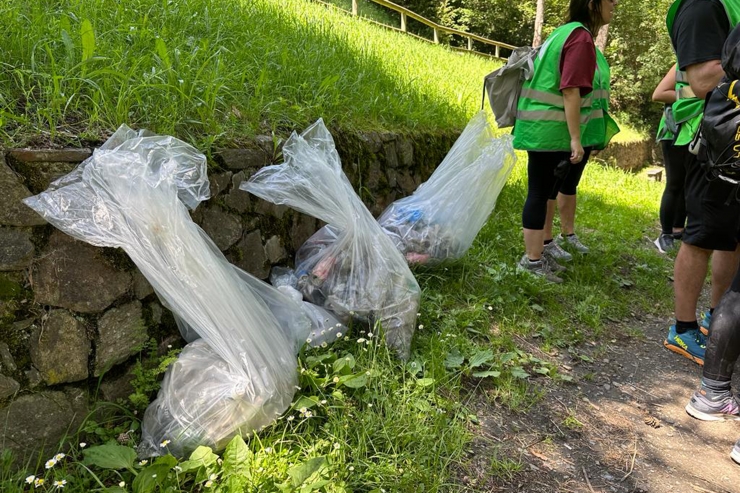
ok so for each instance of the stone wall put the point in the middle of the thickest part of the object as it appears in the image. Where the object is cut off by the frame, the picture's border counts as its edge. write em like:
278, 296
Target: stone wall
74, 318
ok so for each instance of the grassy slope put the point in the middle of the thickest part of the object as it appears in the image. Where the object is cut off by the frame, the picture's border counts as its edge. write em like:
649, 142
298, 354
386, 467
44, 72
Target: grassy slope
212, 70
396, 427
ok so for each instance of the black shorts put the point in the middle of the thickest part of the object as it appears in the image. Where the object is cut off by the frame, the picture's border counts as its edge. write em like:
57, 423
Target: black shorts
712, 209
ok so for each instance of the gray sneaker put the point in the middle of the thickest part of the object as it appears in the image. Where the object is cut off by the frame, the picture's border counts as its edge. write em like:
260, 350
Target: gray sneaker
556, 252
724, 407
572, 241
554, 265
735, 454
540, 268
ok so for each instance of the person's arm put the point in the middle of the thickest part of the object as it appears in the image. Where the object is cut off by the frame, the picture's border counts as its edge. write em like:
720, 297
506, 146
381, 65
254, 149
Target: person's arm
572, 103
703, 77
665, 92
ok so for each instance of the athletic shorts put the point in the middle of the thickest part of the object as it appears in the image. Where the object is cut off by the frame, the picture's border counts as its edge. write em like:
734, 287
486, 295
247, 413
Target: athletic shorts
712, 210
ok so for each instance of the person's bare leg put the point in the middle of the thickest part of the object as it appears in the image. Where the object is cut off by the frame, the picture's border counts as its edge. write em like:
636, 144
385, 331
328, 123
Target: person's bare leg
689, 273
567, 210
549, 218
534, 243
724, 267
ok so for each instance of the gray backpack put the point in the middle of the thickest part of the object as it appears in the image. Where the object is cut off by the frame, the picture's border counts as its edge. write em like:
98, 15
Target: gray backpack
504, 85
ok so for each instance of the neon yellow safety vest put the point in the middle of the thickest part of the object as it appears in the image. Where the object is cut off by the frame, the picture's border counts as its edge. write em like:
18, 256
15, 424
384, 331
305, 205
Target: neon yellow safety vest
540, 121
688, 109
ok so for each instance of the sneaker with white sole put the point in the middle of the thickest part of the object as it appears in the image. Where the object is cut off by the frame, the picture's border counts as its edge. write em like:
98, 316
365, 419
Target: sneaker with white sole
665, 243
540, 268
573, 242
556, 252
721, 408
735, 454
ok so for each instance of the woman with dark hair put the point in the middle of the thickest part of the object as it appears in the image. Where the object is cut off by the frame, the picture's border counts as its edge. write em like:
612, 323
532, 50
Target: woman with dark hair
561, 117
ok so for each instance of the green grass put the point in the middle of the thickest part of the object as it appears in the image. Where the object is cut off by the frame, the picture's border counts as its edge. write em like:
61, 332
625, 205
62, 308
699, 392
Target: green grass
219, 71
376, 424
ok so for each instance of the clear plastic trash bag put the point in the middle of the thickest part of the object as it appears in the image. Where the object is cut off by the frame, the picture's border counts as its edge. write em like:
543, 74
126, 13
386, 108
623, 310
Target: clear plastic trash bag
440, 220
325, 326
349, 267
132, 193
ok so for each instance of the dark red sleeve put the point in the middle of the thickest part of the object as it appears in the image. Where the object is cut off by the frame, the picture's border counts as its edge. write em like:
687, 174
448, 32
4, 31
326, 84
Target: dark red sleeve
578, 62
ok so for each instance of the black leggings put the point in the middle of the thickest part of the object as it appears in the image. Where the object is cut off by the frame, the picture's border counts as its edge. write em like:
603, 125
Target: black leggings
543, 185
673, 203
723, 347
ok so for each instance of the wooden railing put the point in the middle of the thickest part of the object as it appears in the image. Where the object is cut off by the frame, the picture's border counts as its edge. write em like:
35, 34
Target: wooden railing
436, 28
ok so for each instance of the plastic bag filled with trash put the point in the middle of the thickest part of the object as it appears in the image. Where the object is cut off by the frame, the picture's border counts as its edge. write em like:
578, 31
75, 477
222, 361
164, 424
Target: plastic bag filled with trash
350, 267
440, 220
240, 374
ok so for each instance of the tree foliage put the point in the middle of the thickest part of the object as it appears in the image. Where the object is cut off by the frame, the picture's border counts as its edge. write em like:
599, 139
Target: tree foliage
638, 47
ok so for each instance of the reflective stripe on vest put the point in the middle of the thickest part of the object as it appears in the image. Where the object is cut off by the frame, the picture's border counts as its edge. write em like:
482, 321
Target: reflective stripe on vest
556, 116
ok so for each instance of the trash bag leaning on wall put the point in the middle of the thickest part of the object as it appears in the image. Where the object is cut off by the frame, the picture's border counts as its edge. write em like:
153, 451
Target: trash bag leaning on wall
440, 220
133, 193
349, 267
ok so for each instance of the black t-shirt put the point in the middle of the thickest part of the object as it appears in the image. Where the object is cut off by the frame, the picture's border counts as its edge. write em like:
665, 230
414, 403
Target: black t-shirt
699, 32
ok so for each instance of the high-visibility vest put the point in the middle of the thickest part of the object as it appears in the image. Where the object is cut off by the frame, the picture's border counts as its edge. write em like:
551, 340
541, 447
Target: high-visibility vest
688, 109
540, 122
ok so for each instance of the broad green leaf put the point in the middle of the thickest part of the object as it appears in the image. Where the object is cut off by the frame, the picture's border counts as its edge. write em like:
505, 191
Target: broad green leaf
150, 478
316, 485
110, 456
518, 372
344, 365
507, 356
88, 39
201, 457
488, 373
314, 361
307, 402
300, 473
542, 370
481, 358
425, 382
161, 48
354, 381
414, 367
422, 405
237, 457
454, 359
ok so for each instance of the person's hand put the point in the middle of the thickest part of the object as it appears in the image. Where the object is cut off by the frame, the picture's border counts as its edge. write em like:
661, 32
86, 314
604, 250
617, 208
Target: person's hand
576, 151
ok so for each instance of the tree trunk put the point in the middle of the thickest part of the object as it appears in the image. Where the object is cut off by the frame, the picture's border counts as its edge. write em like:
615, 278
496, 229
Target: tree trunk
602, 37
539, 19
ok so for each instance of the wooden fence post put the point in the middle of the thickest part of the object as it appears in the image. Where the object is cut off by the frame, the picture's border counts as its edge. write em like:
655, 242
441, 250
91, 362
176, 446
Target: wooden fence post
354, 7
470, 44
436, 36
403, 21
498, 54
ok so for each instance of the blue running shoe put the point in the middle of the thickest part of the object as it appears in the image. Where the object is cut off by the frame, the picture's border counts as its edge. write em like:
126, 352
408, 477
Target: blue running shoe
735, 454
690, 344
706, 319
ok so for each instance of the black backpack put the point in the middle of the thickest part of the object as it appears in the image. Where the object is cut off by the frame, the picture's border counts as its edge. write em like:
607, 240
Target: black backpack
717, 144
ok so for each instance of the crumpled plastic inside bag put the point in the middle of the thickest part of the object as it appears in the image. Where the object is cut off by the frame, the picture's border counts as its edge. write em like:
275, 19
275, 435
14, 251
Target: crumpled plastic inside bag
349, 267
133, 193
440, 220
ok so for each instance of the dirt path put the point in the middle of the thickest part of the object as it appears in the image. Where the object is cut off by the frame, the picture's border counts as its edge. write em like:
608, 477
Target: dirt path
622, 428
